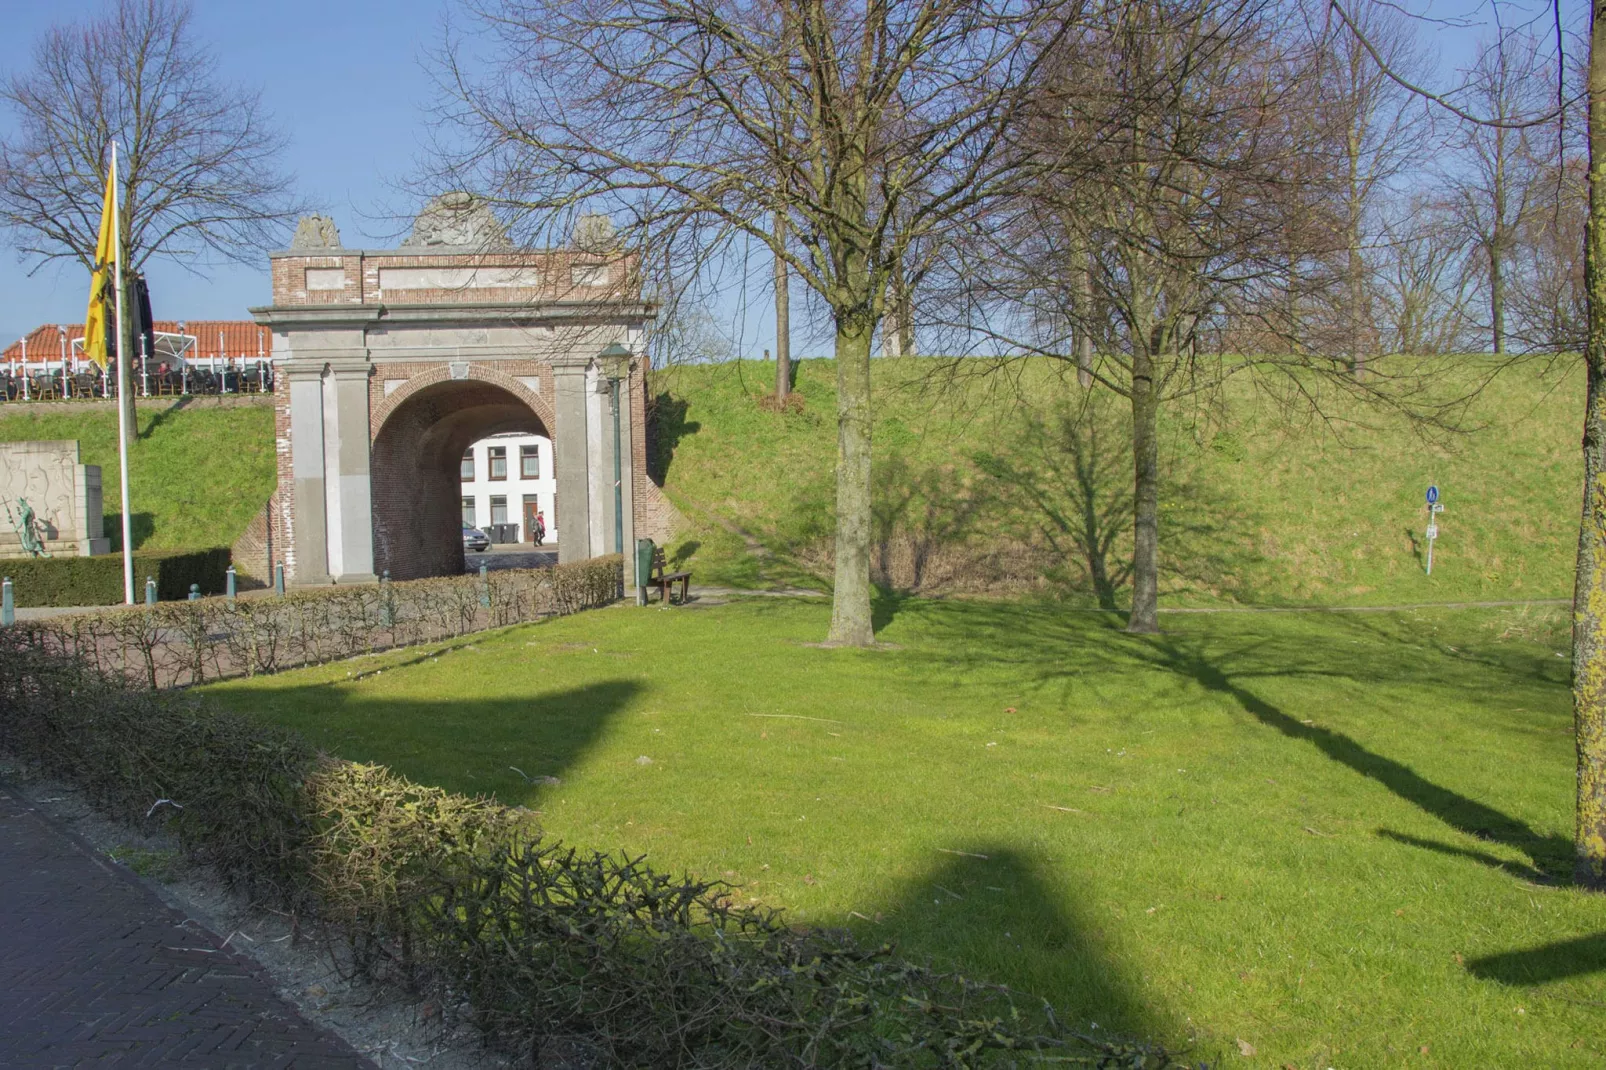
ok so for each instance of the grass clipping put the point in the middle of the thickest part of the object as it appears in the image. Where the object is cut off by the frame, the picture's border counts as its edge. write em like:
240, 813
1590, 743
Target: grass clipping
553, 952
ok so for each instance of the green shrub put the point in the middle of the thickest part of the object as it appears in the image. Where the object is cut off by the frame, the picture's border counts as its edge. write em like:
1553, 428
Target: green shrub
98, 581
550, 950
182, 642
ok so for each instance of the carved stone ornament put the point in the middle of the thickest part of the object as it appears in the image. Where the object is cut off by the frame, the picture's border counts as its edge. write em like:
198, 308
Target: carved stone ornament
594, 233
316, 232
458, 221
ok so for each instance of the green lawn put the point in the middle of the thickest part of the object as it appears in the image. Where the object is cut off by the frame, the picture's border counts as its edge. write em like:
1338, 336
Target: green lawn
1000, 484
1341, 839
198, 475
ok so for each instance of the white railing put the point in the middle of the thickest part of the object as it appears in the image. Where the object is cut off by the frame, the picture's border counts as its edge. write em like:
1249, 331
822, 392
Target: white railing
177, 368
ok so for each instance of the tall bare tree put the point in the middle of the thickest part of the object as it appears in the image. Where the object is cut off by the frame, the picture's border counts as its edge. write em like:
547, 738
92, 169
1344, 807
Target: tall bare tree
1495, 182
783, 317
1173, 114
1375, 131
1589, 591
867, 127
1424, 282
197, 156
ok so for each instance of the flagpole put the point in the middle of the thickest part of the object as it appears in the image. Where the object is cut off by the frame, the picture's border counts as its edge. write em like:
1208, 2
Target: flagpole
122, 389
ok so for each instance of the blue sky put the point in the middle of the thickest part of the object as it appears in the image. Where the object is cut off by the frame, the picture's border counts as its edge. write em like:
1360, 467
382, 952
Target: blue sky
346, 80
342, 77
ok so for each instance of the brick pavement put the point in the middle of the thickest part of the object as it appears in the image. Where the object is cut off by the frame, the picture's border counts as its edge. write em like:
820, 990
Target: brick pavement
95, 970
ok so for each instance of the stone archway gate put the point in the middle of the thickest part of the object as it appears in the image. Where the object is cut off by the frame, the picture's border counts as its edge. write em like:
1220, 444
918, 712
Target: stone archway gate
454, 313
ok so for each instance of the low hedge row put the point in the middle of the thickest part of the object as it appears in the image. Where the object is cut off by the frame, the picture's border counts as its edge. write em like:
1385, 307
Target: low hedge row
98, 581
553, 952
183, 642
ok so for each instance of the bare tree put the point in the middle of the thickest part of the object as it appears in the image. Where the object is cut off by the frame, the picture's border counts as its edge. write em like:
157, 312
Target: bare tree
1174, 114
866, 128
197, 156
1589, 591
1424, 282
1546, 302
1375, 131
1498, 165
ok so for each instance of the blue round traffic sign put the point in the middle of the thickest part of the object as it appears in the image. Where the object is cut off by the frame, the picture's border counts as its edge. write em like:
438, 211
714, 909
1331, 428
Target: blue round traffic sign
1433, 494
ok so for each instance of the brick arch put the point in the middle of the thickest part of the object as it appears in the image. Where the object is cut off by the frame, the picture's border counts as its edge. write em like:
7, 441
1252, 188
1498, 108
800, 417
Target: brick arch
419, 438
443, 374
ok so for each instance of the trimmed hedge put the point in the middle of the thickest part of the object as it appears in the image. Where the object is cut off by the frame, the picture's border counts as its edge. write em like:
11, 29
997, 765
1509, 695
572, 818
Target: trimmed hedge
98, 581
588, 958
180, 643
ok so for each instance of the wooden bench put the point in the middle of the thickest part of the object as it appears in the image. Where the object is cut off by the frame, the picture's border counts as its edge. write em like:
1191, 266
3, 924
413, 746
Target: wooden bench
665, 581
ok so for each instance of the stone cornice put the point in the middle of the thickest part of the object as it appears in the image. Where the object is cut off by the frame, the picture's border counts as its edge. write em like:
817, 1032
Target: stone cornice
436, 250
477, 313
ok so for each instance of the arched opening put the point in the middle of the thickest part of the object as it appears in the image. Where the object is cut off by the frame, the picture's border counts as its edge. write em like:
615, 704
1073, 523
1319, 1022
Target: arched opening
416, 471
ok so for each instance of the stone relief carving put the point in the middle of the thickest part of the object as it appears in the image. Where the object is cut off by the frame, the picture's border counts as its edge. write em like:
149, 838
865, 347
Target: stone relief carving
316, 232
49, 503
458, 220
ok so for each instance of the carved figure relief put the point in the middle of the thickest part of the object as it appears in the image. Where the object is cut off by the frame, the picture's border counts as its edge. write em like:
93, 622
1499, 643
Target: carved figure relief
316, 232
458, 220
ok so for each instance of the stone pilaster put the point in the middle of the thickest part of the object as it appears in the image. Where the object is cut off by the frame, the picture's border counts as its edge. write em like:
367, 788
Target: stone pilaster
307, 437
346, 460
570, 447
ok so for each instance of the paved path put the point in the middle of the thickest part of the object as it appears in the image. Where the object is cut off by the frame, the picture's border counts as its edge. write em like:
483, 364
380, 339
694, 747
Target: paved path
95, 970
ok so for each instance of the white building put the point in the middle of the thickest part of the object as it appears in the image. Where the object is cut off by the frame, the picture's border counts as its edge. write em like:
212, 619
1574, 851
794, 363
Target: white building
506, 478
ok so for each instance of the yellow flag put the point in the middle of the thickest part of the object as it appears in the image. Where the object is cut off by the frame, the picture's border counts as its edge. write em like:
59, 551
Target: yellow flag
102, 290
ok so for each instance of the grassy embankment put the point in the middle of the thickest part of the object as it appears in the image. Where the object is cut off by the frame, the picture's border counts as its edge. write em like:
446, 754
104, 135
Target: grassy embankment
198, 475
1001, 486
1341, 839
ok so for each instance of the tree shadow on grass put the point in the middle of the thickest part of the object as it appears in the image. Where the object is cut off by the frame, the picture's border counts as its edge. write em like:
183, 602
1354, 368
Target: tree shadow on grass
997, 914
1549, 962
1548, 854
162, 416
505, 747
1060, 649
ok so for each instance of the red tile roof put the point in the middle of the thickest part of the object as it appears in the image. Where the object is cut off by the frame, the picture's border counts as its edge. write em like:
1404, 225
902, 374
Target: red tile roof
238, 338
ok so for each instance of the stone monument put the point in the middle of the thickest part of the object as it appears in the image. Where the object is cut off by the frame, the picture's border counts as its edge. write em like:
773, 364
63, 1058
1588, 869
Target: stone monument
63, 496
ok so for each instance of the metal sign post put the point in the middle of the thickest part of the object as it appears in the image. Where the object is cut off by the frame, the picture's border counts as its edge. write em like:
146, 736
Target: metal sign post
1434, 508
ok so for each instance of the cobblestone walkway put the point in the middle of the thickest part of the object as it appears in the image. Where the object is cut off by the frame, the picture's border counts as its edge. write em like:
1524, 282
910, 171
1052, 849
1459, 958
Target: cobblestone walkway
95, 970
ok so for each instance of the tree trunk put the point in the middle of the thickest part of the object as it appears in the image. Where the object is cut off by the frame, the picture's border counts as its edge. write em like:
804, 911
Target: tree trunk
1356, 269
850, 599
783, 319
1589, 595
1083, 305
1497, 291
1497, 245
1145, 499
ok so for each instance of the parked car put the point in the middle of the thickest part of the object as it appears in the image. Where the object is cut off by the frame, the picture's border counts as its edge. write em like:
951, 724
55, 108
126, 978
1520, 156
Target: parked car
475, 539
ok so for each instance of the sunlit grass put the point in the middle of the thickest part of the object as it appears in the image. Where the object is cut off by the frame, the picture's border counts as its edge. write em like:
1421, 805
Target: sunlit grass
198, 474
1340, 838
1265, 500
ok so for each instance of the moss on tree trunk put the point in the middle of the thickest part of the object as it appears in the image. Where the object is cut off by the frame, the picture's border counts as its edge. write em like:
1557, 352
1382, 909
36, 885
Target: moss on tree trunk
1589, 596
